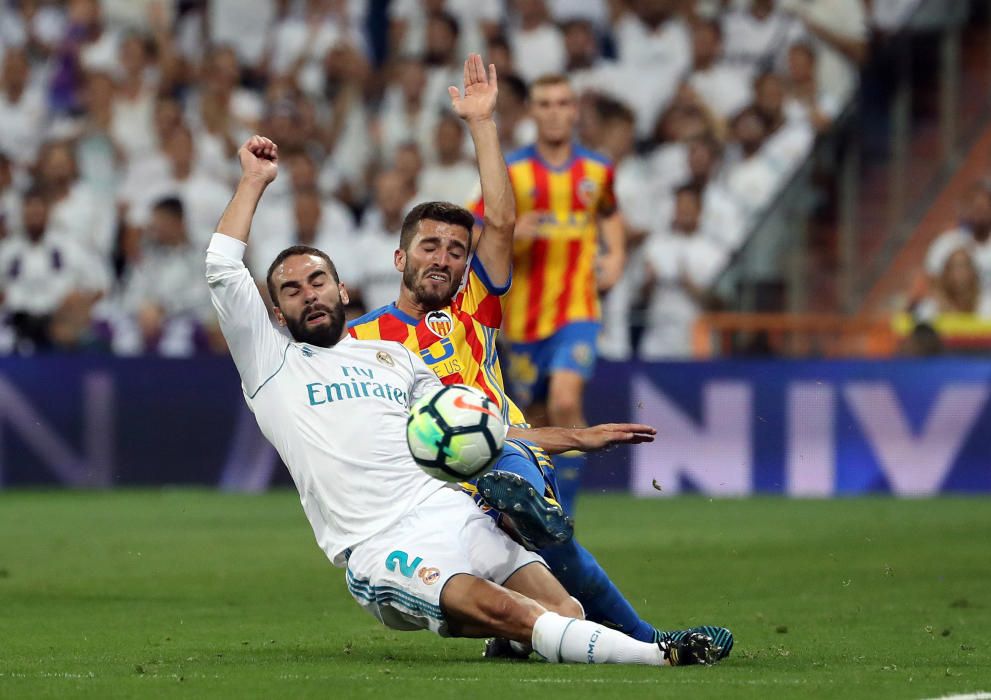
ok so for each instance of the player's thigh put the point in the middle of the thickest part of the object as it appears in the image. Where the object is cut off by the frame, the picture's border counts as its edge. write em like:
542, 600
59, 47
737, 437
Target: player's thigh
571, 365
475, 607
537, 583
565, 405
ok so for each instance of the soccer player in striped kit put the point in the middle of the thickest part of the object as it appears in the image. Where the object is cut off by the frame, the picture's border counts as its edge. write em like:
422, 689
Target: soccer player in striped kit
448, 312
564, 205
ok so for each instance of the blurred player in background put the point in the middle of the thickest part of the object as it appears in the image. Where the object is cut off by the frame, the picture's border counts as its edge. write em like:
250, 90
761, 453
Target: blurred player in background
564, 205
372, 510
453, 326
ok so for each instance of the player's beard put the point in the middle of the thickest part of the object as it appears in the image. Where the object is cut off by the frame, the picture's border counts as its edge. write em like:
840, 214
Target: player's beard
426, 298
324, 335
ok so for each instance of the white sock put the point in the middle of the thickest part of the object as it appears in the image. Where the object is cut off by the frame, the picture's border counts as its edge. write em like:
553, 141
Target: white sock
567, 640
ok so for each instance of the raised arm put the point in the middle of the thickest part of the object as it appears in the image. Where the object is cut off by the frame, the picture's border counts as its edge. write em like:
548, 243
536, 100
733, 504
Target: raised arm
476, 107
259, 158
595, 437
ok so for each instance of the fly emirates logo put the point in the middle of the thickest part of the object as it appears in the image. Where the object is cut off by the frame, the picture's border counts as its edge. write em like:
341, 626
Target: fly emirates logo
357, 383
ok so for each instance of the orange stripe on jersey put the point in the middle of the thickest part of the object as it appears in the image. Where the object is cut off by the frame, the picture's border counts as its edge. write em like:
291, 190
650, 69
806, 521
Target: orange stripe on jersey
563, 308
535, 300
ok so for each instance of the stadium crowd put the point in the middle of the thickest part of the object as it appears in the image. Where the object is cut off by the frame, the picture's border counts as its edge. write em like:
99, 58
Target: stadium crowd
119, 121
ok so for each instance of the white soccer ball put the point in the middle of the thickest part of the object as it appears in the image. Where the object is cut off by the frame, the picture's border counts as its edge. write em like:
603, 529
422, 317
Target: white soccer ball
455, 433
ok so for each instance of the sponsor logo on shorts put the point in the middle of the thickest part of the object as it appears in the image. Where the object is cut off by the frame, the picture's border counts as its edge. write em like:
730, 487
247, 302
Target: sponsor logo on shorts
582, 354
429, 575
439, 322
385, 358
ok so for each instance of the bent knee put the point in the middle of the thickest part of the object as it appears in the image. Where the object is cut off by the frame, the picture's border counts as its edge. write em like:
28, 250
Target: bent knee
569, 607
505, 609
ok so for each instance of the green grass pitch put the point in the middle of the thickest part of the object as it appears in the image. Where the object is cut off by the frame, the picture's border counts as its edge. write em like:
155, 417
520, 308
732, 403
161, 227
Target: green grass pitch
123, 594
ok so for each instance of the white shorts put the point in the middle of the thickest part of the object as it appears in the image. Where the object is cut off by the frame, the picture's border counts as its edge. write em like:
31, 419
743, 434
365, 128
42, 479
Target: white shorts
398, 575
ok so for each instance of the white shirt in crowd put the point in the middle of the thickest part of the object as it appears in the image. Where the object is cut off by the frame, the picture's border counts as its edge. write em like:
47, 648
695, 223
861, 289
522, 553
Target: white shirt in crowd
469, 13
725, 88
449, 183
835, 73
21, 125
86, 217
373, 272
537, 52
37, 277
273, 232
230, 24
672, 312
757, 44
202, 197
336, 416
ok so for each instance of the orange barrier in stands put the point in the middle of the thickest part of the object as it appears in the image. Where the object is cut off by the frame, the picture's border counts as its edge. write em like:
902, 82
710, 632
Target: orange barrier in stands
793, 335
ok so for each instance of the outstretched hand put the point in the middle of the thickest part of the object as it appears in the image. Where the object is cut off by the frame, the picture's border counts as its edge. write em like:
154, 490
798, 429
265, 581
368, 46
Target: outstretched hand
599, 437
481, 89
259, 158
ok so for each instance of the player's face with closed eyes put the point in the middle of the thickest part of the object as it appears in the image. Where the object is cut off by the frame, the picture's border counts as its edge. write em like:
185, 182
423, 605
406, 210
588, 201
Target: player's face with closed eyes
310, 301
435, 263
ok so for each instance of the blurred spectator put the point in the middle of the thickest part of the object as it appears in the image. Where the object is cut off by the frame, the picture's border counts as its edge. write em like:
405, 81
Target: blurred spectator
477, 19
956, 290
408, 164
75, 210
516, 127
453, 177
593, 12
680, 264
805, 101
538, 47
838, 31
750, 177
721, 220
722, 86
10, 202
633, 196
581, 45
315, 221
42, 271
445, 64
31, 25
406, 113
201, 195
755, 34
167, 304
374, 278
231, 23
22, 109
344, 135
652, 34
973, 234
788, 141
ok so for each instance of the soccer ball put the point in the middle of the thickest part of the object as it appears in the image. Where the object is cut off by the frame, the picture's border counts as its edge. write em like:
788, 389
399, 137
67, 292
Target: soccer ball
455, 433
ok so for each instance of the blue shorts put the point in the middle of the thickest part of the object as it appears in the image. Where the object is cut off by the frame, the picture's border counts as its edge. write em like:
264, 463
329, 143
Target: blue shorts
525, 459
571, 348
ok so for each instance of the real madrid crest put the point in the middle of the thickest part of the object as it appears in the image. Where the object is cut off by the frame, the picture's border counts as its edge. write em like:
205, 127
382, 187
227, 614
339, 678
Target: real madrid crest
439, 323
385, 358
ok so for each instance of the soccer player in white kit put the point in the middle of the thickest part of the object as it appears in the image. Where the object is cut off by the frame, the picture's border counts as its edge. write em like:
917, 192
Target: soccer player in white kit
417, 553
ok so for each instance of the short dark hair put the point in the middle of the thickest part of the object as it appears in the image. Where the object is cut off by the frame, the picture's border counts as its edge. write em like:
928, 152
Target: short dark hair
452, 23
444, 212
609, 109
170, 205
288, 253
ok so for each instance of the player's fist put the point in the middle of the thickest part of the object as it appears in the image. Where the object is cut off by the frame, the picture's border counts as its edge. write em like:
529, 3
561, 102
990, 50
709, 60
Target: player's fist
259, 158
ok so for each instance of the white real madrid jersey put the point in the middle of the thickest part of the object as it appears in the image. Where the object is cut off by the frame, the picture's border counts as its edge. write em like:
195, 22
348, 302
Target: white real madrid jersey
337, 416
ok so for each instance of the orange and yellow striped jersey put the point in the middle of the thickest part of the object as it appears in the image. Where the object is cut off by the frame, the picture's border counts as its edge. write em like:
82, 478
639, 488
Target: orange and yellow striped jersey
554, 273
457, 342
